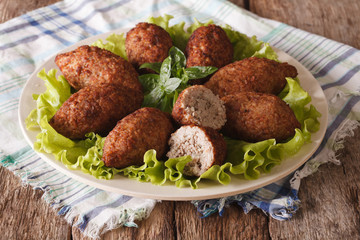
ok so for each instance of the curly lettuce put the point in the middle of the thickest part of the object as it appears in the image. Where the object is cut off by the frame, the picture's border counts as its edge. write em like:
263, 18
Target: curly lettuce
115, 43
245, 159
85, 154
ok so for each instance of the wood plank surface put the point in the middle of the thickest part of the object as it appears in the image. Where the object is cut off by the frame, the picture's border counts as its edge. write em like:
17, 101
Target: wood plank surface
330, 198
234, 224
334, 19
25, 215
13, 8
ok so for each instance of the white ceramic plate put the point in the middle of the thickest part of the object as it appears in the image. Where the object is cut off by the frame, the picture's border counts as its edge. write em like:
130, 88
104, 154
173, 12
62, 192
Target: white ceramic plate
207, 190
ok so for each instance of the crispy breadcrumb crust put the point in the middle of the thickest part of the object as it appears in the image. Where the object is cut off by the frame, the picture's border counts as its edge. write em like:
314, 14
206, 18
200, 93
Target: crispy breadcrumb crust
209, 46
255, 117
251, 74
90, 65
95, 109
147, 43
144, 129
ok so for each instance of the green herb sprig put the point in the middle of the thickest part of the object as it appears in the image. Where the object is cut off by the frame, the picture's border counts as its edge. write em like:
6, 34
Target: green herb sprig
163, 88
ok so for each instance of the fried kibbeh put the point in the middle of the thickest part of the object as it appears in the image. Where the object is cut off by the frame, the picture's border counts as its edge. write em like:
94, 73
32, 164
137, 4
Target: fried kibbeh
198, 105
140, 131
209, 46
90, 65
95, 109
251, 75
254, 117
147, 43
206, 147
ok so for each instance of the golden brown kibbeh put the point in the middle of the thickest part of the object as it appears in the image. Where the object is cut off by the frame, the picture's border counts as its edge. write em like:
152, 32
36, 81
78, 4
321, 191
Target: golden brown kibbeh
144, 129
251, 75
255, 117
206, 146
90, 65
95, 109
209, 46
147, 43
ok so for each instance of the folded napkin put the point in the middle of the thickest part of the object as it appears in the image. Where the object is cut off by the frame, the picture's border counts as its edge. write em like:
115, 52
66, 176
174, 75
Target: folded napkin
27, 41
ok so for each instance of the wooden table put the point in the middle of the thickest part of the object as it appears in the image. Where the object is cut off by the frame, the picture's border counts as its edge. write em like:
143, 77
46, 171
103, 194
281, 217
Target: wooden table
330, 198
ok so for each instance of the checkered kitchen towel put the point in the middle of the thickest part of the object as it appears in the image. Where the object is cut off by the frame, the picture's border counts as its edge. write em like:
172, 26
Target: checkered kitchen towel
27, 41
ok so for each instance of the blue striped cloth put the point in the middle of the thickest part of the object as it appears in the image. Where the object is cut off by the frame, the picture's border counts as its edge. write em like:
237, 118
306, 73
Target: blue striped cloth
27, 41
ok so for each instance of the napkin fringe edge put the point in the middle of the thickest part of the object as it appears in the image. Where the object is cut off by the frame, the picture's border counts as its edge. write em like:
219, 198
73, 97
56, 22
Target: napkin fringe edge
347, 129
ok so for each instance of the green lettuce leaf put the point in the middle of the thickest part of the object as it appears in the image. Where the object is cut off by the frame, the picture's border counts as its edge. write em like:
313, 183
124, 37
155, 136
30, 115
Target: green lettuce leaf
115, 43
57, 92
245, 159
85, 154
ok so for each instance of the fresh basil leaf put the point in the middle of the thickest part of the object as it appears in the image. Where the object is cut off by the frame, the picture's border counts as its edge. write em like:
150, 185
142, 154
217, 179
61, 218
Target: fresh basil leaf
165, 70
199, 71
179, 59
184, 77
172, 84
166, 103
153, 66
153, 98
149, 81
177, 72
182, 87
176, 95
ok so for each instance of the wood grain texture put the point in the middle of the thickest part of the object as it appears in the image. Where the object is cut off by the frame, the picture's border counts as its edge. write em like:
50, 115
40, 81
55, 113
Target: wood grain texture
337, 20
330, 198
241, 3
234, 224
24, 215
13, 8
